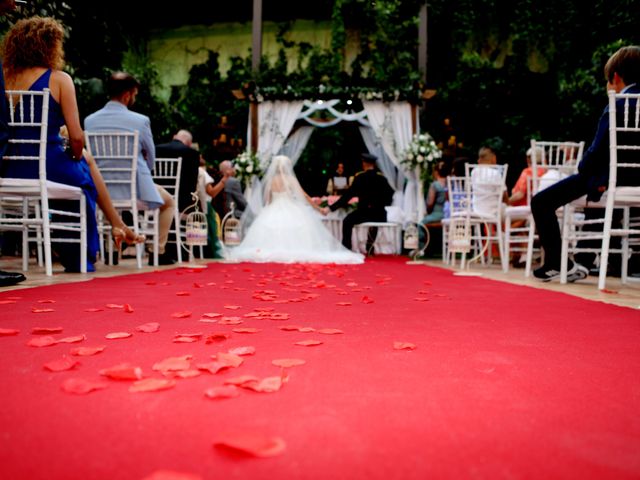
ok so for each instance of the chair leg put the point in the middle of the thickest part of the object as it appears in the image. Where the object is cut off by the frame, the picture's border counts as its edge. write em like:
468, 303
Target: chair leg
606, 240
507, 243
176, 221
625, 246
83, 234
564, 252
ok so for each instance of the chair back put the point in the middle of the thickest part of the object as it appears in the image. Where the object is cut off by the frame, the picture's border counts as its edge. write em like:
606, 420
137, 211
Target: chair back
166, 173
459, 192
116, 154
487, 184
624, 142
558, 159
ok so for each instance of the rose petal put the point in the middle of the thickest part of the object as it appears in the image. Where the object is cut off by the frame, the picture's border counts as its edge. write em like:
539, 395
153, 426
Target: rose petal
181, 339
86, 351
79, 386
114, 305
184, 374
308, 343
42, 342
117, 335
229, 359
45, 330
127, 308
404, 346
253, 445
62, 364
230, 321
279, 316
246, 330
344, 304
171, 475
242, 350
93, 309
7, 302
306, 329
174, 363
288, 362
74, 339
150, 327
241, 380
124, 371
330, 331
211, 315
185, 314
367, 299
152, 385
216, 337
7, 332
183, 294
266, 385
290, 328
42, 310
225, 391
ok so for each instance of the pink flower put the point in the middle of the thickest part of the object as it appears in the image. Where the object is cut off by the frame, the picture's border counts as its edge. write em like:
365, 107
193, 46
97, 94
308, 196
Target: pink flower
353, 200
331, 199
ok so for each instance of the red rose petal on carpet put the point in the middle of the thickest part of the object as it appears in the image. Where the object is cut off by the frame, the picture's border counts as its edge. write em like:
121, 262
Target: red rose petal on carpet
180, 339
330, 331
152, 385
184, 374
242, 350
306, 329
42, 310
241, 380
45, 330
264, 309
254, 445
279, 316
74, 339
79, 386
61, 365
246, 330
174, 363
87, 351
183, 294
212, 367
232, 307
150, 327
230, 321
229, 359
171, 475
404, 346
266, 385
185, 314
114, 305
7, 302
91, 310
344, 304
224, 391
211, 315
8, 332
290, 328
216, 337
46, 301
124, 371
308, 343
288, 362
367, 299
128, 308
42, 342
117, 335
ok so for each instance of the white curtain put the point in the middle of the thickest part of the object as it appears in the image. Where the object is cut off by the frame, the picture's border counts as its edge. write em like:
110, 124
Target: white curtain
391, 123
275, 121
296, 143
394, 176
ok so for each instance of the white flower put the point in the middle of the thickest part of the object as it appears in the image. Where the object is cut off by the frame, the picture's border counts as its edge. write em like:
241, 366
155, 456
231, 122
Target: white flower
249, 168
423, 150
420, 158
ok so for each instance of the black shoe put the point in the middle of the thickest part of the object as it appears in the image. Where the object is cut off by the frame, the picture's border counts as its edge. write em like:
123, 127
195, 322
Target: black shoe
107, 260
575, 271
10, 278
163, 259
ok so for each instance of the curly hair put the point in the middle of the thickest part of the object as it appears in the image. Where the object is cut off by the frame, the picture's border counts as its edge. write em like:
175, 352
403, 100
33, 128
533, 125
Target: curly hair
33, 42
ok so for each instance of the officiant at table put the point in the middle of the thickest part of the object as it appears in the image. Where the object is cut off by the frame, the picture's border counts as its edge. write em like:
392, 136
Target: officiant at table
339, 183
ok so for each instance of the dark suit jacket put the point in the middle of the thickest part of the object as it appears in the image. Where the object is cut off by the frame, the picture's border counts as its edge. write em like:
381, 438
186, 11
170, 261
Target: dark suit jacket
233, 192
594, 165
371, 188
189, 172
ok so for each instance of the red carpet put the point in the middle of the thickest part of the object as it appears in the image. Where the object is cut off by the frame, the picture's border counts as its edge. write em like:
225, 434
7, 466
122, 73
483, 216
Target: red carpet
504, 382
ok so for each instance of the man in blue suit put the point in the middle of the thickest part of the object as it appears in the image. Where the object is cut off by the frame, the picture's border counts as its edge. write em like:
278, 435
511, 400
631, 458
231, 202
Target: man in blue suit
622, 73
115, 116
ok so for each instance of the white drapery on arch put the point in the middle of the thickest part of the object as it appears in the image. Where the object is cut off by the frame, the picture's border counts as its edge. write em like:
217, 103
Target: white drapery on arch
392, 124
394, 176
296, 143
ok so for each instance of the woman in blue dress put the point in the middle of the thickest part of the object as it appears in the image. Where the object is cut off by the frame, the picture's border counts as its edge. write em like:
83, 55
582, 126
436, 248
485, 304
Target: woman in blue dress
33, 60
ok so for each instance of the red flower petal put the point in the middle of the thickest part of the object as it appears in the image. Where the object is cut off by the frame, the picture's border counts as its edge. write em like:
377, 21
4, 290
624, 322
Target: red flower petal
290, 328
229, 359
184, 374
114, 305
225, 391
212, 367
308, 343
93, 309
241, 380
242, 350
253, 445
174, 363
74, 339
230, 321
404, 346
45, 330
266, 385
62, 364
306, 329
7, 332
246, 330
7, 302
123, 371
46, 301
216, 337
79, 386
211, 315
181, 339
183, 294
128, 308
344, 304
330, 331
86, 351
42, 310
150, 327
152, 385
232, 307
288, 362
117, 335
171, 475
42, 342
185, 314
279, 316
367, 299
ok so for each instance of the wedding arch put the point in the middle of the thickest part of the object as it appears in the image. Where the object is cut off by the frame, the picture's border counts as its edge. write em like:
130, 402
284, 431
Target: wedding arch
386, 128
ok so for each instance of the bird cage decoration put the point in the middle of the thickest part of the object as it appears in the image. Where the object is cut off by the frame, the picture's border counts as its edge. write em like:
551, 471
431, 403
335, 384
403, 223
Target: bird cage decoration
411, 237
460, 235
196, 230
231, 231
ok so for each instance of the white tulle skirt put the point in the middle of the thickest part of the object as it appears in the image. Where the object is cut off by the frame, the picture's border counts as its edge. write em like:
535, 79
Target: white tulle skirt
288, 231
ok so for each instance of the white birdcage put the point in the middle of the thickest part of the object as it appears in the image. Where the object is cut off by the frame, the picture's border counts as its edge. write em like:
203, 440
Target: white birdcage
196, 230
411, 237
231, 231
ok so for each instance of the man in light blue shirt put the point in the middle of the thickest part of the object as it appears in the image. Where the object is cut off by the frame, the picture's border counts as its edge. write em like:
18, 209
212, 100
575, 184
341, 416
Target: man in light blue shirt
115, 116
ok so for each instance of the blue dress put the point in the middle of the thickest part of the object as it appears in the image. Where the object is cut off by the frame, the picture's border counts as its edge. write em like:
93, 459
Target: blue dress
61, 168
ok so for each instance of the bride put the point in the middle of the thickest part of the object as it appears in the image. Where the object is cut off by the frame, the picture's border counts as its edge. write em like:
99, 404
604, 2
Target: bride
288, 229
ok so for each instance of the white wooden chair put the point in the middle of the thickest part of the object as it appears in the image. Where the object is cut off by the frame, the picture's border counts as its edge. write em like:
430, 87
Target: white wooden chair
166, 173
623, 190
116, 154
35, 194
388, 239
559, 160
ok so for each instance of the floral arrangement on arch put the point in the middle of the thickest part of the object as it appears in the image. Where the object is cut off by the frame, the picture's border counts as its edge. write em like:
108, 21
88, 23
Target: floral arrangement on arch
247, 164
327, 201
421, 155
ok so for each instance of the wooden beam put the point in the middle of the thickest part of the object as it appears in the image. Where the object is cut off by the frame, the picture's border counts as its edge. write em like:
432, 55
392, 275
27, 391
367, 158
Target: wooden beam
256, 44
422, 46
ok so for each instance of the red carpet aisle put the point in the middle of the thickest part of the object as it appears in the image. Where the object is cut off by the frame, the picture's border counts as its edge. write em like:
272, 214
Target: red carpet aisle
504, 382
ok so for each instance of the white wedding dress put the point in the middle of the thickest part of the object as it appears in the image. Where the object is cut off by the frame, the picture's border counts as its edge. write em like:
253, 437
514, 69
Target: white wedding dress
289, 230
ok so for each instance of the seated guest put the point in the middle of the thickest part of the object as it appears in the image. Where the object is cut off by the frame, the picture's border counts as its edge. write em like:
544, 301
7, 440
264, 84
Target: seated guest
208, 189
182, 146
484, 179
437, 194
520, 190
233, 189
115, 116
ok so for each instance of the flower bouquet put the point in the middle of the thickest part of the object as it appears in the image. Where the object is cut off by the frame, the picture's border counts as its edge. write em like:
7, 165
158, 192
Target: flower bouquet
421, 155
247, 164
327, 201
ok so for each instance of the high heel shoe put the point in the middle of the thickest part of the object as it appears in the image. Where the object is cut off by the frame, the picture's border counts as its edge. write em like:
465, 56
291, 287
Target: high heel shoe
126, 235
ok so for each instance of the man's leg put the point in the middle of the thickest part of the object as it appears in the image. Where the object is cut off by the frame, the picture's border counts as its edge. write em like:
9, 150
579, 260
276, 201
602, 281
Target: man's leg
166, 218
347, 226
543, 207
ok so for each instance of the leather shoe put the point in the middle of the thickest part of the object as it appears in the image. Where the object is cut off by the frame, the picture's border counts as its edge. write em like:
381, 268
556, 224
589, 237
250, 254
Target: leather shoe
10, 278
163, 259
